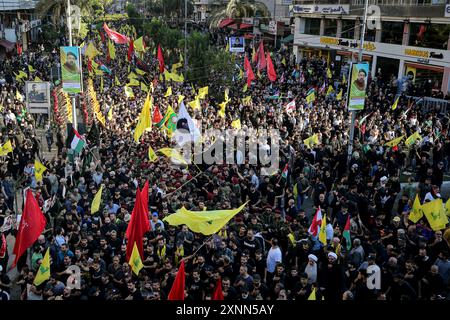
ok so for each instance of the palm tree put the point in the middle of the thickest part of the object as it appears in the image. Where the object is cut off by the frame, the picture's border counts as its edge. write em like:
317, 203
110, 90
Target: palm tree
237, 10
57, 9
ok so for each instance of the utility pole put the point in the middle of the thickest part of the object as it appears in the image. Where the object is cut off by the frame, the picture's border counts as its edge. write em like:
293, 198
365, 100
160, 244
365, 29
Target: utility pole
275, 20
353, 112
74, 101
185, 38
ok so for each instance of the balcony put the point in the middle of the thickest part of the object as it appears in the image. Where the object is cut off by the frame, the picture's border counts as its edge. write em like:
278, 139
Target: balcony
12, 5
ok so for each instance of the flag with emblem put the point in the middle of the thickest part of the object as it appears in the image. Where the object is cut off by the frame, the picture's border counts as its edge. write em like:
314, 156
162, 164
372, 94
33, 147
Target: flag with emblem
6, 148
323, 231
95, 206
43, 272
135, 260
416, 212
435, 213
39, 169
152, 155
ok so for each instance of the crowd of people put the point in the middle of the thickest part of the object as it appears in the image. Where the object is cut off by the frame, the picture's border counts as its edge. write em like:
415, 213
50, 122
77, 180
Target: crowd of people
265, 252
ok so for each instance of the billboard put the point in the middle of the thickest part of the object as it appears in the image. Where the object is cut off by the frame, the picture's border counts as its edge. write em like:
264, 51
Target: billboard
358, 85
237, 44
71, 74
37, 96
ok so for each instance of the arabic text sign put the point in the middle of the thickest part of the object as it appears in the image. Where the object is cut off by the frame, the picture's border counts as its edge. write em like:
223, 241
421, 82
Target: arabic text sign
71, 74
447, 10
358, 84
321, 9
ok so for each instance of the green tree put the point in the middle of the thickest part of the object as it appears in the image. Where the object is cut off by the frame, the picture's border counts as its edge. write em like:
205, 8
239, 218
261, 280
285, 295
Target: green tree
55, 9
239, 9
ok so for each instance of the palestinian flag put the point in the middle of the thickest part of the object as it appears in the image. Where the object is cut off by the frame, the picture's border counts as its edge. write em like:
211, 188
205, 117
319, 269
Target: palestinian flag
157, 119
285, 172
346, 234
77, 142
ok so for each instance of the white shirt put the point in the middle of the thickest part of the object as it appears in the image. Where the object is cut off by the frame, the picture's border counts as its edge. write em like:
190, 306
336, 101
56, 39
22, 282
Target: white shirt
273, 257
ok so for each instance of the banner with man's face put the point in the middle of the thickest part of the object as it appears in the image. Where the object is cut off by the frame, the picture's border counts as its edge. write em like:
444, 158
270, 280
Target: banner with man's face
37, 97
71, 74
358, 85
237, 44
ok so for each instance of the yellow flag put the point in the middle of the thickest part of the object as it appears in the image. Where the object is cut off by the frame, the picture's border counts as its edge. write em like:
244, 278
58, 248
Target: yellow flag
283, 61
330, 90
245, 88
144, 87
447, 207
202, 92
311, 97
117, 82
30, 68
413, 138
129, 92
112, 50
236, 124
344, 80
180, 98
175, 66
37, 79
132, 75
416, 212
241, 74
247, 100
98, 72
204, 222
19, 96
168, 92
110, 114
95, 206
139, 45
101, 84
21, 75
339, 96
91, 51
312, 296
329, 75
195, 104
311, 141
394, 142
6, 148
152, 155
435, 213
141, 72
133, 82
173, 153
323, 231
221, 111
39, 169
43, 272
135, 260
145, 120
68, 108
394, 106
227, 48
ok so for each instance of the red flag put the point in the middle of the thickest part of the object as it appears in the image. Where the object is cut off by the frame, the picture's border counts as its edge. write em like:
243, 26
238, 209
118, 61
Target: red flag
157, 116
3, 247
261, 57
89, 65
130, 50
138, 226
115, 36
177, 291
101, 35
32, 224
144, 196
270, 69
316, 223
248, 71
218, 294
160, 59
19, 49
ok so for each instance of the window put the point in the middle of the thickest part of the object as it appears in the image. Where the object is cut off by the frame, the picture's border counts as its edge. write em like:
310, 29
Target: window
330, 28
312, 26
392, 32
370, 34
429, 35
348, 29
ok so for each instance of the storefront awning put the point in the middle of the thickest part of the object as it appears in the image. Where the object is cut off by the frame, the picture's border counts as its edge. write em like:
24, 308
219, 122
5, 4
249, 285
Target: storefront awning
245, 26
225, 22
233, 26
289, 38
8, 45
248, 36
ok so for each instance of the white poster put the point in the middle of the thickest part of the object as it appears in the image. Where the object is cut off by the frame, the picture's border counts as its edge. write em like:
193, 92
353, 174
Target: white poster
37, 96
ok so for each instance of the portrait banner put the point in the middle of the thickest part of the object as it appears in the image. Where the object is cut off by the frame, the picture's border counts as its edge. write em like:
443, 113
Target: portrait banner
37, 97
237, 44
71, 74
358, 85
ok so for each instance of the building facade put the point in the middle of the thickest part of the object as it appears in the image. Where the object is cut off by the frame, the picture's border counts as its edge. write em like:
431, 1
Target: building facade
402, 36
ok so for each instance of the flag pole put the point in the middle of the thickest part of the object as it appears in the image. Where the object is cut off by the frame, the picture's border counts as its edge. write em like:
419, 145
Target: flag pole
353, 112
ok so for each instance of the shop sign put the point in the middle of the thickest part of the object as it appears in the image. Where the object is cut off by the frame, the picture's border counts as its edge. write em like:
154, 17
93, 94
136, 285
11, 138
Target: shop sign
424, 61
447, 10
321, 9
368, 46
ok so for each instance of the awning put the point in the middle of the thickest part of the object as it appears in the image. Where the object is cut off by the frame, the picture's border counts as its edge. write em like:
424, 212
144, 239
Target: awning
248, 36
245, 26
225, 22
233, 26
289, 38
8, 45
